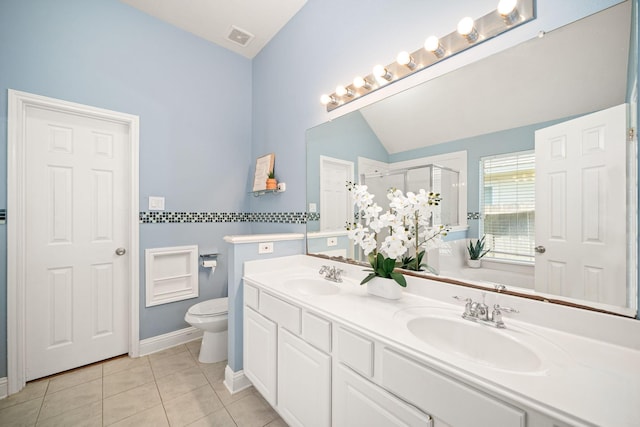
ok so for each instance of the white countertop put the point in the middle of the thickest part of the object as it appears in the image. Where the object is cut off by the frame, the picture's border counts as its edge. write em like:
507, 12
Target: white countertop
582, 381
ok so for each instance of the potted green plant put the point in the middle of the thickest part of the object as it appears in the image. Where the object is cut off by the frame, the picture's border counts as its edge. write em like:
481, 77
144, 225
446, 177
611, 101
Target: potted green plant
272, 184
476, 252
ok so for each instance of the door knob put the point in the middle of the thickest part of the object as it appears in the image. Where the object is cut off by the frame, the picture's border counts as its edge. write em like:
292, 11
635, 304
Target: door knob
121, 251
540, 249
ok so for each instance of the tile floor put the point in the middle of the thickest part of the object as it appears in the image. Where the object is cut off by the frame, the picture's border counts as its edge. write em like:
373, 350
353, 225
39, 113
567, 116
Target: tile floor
169, 388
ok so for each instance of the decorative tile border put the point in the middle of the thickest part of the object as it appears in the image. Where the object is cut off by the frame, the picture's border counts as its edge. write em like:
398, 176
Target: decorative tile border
473, 215
157, 217
3, 216
313, 216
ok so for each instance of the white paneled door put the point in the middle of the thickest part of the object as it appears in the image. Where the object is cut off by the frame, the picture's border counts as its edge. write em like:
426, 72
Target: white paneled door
77, 229
581, 207
336, 206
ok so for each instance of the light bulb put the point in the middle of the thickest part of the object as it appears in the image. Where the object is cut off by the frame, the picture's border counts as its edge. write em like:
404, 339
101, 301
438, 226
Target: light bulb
382, 73
432, 44
505, 7
326, 99
508, 12
342, 91
467, 29
359, 82
404, 58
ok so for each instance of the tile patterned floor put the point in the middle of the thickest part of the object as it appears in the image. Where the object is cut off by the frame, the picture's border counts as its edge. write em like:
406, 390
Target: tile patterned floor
169, 388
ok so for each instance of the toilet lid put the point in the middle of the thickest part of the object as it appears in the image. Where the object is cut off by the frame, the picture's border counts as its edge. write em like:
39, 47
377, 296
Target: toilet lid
212, 307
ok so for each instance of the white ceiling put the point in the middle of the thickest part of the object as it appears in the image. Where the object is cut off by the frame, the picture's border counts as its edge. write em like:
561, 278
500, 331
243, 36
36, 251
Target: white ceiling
574, 70
213, 19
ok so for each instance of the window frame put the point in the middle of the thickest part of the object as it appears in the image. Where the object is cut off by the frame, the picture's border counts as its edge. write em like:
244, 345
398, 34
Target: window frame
521, 259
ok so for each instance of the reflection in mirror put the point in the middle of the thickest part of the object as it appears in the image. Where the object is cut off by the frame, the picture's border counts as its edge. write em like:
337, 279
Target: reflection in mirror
429, 177
537, 136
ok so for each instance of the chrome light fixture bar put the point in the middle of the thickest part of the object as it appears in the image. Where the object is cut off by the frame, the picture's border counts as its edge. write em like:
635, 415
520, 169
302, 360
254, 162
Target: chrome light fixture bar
508, 14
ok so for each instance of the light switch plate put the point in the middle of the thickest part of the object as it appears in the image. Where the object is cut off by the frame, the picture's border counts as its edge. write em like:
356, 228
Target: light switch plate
313, 207
265, 247
156, 203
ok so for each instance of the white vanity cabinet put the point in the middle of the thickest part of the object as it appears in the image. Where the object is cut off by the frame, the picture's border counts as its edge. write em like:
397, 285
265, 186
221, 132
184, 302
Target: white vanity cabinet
283, 358
318, 373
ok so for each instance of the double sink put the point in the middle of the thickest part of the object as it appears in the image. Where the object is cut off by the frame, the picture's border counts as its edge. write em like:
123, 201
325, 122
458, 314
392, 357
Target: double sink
512, 349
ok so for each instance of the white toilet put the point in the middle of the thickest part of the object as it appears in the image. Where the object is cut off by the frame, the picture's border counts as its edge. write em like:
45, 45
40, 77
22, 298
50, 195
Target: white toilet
211, 317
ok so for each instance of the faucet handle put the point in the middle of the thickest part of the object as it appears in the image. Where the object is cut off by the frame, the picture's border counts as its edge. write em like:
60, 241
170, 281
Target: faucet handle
496, 315
469, 309
323, 269
497, 307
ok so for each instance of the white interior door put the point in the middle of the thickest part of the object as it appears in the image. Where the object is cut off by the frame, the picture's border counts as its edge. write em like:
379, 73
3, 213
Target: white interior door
336, 207
77, 227
581, 207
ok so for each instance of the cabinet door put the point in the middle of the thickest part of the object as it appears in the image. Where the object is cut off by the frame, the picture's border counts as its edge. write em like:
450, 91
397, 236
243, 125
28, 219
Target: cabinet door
360, 403
304, 382
260, 341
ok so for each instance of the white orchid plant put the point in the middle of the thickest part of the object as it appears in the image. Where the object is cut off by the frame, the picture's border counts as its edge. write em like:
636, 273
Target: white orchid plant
408, 222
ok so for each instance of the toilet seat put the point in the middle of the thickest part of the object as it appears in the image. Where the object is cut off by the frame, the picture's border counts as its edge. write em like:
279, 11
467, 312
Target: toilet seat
210, 308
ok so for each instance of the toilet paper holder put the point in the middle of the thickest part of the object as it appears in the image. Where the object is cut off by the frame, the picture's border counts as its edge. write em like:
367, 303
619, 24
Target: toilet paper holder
209, 260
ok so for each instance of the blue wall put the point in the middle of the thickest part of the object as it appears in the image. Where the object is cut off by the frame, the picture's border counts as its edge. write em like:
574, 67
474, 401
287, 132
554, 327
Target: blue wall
308, 58
238, 254
193, 99
345, 138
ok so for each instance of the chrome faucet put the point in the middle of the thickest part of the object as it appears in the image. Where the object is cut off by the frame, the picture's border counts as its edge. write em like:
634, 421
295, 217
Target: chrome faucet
331, 273
479, 312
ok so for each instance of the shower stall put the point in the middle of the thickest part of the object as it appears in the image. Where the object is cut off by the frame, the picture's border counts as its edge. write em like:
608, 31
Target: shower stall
437, 179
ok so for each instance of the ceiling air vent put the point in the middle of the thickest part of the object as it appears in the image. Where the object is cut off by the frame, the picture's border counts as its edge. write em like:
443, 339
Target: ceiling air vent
240, 36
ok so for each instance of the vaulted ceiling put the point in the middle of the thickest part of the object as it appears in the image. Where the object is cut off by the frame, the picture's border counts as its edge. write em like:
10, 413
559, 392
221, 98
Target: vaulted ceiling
216, 20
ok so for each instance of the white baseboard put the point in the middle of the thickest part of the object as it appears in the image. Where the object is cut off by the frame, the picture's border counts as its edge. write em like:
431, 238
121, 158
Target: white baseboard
235, 381
4, 387
172, 339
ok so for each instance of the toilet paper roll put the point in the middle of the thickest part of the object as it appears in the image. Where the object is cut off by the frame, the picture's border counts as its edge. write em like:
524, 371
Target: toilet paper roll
209, 263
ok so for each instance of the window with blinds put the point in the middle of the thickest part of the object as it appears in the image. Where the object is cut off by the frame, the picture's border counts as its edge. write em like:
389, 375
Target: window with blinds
508, 205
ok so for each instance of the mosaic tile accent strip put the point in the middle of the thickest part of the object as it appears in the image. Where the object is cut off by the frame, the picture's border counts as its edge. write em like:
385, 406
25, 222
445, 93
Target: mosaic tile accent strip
3, 216
473, 215
158, 217
281, 217
313, 216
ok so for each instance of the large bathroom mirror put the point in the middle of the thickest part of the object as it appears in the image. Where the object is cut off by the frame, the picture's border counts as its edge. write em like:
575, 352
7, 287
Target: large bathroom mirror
484, 136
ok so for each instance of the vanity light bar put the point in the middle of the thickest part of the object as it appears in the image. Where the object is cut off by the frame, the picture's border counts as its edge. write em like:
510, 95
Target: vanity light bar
509, 14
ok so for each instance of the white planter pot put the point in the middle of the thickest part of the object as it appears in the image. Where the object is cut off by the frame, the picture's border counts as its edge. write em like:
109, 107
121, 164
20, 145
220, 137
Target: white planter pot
384, 288
474, 263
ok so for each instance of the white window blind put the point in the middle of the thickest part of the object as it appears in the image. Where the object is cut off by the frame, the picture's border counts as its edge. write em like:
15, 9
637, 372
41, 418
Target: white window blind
508, 205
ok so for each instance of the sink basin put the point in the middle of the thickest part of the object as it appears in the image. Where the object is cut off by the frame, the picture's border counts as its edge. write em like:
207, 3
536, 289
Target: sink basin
499, 349
312, 286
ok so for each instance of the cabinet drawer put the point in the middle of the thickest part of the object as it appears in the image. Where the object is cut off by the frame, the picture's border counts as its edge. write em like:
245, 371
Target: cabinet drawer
316, 331
283, 313
443, 397
355, 351
251, 296
358, 402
